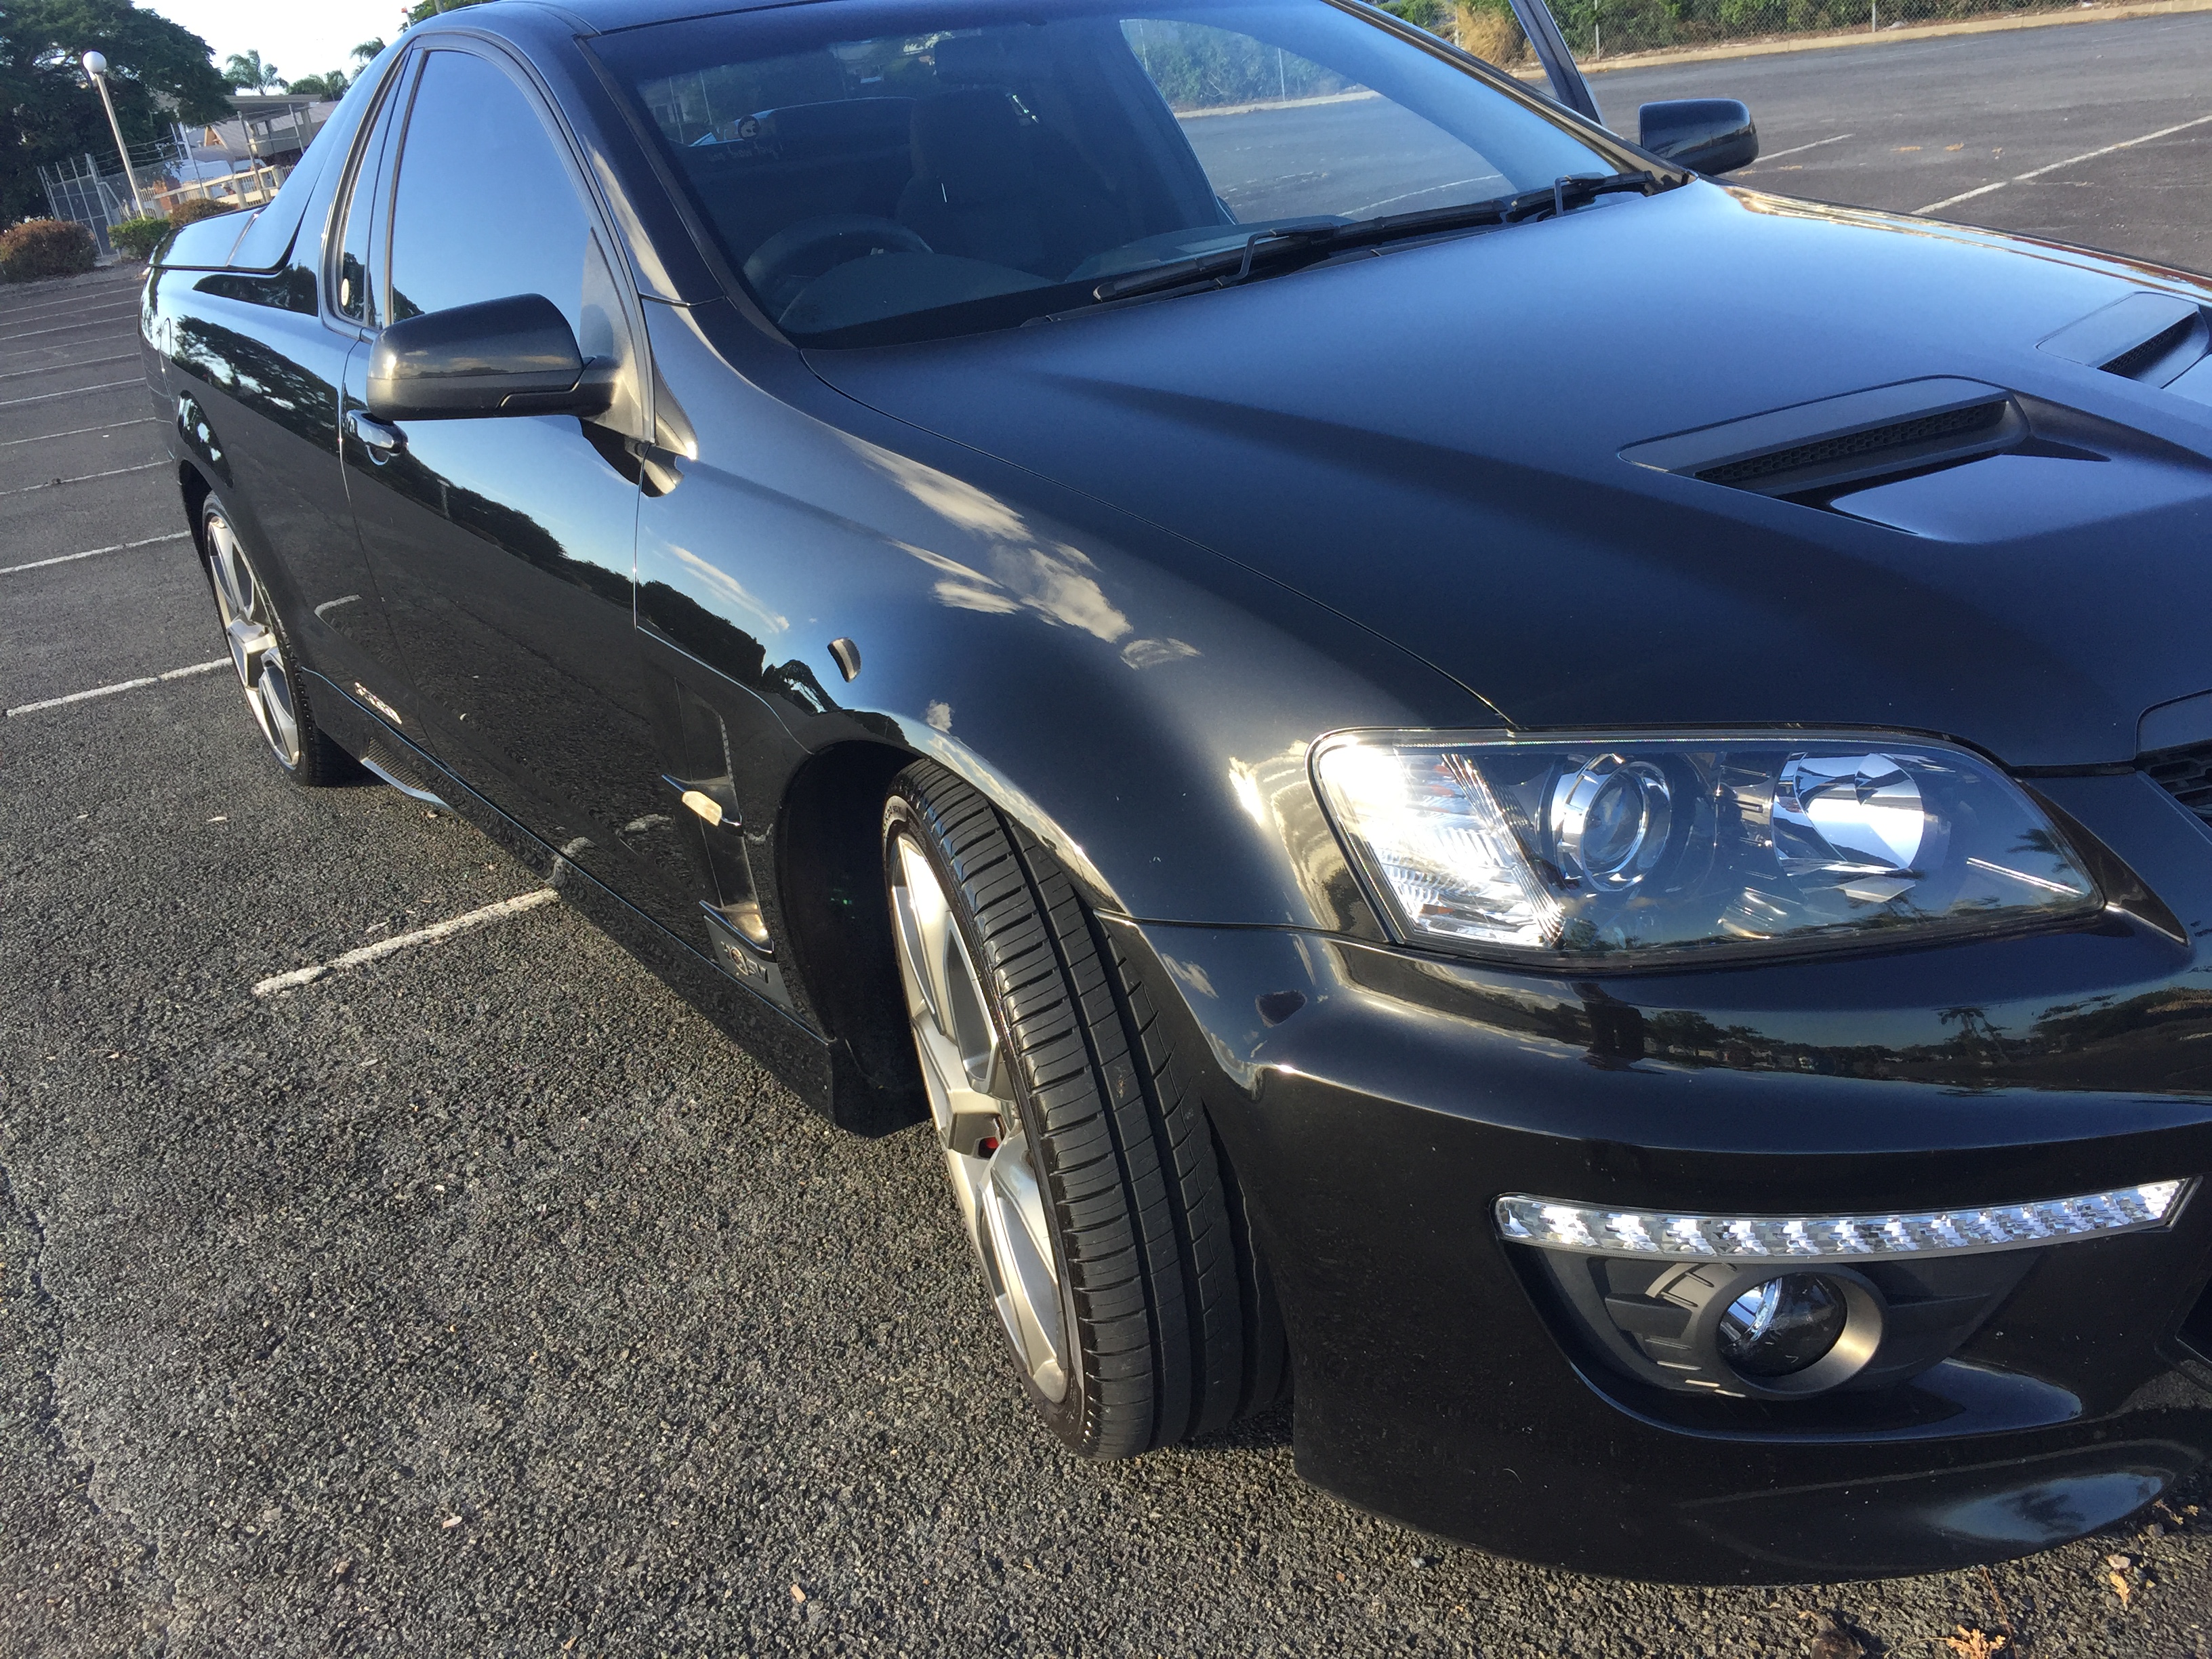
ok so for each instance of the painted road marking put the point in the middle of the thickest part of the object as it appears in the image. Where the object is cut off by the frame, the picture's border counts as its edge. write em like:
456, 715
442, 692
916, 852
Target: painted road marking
74, 392
61, 328
2071, 161
431, 935
1799, 149
95, 552
120, 685
81, 477
127, 302
103, 296
75, 362
81, 431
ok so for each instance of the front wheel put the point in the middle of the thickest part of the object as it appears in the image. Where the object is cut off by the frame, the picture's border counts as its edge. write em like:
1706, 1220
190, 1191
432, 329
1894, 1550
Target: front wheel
1086, 1174
261, 653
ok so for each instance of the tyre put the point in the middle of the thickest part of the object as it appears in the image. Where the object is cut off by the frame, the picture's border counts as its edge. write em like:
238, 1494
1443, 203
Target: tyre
261, 651
1086, 1175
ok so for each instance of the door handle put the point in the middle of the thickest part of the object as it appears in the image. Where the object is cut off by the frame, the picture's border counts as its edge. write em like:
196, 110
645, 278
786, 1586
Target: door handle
381, 439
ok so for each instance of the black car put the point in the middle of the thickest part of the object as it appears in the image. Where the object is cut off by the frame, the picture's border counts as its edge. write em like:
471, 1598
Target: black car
1560, 809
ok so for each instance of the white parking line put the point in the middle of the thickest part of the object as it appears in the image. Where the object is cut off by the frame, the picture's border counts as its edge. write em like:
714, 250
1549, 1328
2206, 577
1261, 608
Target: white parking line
95, 552
80, 431
1799, 149
120, 685
81, 477
61, 328
74, 392
385, 947
2086, 155
75, 362
109, 298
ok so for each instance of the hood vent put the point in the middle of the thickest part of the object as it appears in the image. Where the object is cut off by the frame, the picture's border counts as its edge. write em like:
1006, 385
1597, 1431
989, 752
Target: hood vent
2185, 774
1817, 449
2153, 338
1974, 422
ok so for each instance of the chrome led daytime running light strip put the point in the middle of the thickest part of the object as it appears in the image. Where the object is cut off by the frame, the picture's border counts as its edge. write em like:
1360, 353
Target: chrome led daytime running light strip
1657, 1237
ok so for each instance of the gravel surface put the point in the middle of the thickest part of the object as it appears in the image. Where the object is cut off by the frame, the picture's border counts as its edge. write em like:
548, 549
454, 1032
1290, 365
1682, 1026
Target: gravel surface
482, 1300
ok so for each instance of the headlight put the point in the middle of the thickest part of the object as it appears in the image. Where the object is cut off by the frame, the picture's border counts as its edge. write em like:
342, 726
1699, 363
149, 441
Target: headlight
1626, 848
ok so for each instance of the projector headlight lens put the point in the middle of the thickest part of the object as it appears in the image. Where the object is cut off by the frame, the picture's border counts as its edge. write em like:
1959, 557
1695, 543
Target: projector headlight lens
1620, 849
1782, 1326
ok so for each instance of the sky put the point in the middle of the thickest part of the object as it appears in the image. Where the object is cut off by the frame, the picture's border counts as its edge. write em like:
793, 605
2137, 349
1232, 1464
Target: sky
300, 37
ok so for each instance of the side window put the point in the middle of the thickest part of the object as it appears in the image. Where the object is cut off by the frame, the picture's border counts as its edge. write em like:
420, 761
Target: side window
356, 234
485, 207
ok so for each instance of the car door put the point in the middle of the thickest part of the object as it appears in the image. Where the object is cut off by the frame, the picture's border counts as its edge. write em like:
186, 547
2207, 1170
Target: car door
256, 365
503, 546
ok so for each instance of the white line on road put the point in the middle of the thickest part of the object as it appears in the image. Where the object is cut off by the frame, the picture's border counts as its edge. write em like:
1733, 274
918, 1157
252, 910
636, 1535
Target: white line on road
81, 431
102, 297
61, 328
2086, 155
1799, 149
75, 391
120, 685
81, 477
75, 362
95, 552
385, 947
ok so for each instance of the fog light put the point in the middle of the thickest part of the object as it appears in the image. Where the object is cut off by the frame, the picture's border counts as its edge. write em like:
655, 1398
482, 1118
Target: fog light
1781, 1326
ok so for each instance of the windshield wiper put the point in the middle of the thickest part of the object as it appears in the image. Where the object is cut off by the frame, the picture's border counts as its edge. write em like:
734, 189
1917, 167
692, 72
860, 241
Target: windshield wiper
1236, 262
1280, 244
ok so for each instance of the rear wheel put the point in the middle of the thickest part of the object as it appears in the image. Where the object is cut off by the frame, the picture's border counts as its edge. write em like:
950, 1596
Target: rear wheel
262, 655
1086, 1174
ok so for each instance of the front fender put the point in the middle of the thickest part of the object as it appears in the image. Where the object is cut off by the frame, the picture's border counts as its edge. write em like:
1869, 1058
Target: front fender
1140, 703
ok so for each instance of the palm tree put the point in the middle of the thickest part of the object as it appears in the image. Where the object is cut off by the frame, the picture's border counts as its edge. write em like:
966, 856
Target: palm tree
249, 74
367, 52
330, 86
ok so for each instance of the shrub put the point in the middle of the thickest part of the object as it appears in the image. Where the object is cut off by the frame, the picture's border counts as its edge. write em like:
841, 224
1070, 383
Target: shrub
134, 239
1493, 36
192, 212
46, 247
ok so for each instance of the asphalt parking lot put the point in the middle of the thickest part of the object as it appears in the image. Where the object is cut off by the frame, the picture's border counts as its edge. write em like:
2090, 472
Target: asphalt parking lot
480, 1299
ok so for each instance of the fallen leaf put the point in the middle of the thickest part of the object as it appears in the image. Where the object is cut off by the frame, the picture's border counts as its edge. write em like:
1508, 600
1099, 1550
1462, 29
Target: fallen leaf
796, 1593
2120, 1586
1970, 1643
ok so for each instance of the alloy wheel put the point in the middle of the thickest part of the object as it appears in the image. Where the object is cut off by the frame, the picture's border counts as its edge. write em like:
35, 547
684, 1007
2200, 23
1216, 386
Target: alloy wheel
249, 624
979, 1125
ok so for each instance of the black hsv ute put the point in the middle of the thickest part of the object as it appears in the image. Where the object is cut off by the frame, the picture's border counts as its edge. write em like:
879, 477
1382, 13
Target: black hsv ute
1557, 811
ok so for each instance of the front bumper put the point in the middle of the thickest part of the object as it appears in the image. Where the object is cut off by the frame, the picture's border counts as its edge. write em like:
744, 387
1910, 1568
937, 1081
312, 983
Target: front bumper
1376, 1101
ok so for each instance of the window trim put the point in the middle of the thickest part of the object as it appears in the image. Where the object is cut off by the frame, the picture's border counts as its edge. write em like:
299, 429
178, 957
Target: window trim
397, 85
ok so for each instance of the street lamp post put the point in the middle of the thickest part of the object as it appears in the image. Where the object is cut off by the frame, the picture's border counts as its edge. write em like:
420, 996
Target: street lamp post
96, 66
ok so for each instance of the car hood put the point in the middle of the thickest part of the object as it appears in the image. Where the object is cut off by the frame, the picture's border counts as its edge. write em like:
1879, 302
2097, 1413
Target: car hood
1430, 442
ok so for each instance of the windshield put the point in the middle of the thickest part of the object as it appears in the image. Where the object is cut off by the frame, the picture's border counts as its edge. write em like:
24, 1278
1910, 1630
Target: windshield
942, 168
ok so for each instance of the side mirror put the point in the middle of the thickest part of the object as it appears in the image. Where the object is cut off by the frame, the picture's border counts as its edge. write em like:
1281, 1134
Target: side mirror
512, 356
1706, 135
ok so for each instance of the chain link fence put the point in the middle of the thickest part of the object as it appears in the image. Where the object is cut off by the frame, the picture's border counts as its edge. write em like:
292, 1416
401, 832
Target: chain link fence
167, 174
1597, 29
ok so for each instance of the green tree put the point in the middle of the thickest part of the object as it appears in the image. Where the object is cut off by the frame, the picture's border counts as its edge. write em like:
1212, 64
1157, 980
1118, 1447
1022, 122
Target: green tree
249, 74
332, 85
425, 10
49, 111
365, 53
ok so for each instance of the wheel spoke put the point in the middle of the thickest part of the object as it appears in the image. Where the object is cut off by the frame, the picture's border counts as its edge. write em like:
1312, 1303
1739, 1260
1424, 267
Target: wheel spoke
250, 632
987, 1156
1021, 1244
